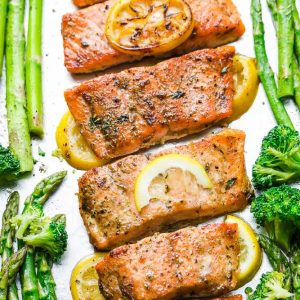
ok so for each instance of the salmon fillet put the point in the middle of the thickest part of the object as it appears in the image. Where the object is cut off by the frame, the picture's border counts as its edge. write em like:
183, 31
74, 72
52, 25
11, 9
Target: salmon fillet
106, 194
83, 3
217, 22
120, 113
235, 297
199, 261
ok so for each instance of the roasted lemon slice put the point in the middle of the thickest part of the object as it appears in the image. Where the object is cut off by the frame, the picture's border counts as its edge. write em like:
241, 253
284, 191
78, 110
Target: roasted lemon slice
84, 279
246, 84
250, 251
73, 146
148, 27
168, 175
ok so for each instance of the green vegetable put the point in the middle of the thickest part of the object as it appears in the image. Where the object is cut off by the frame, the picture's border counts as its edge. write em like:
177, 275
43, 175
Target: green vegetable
278, 211
3, 13
270, 288
46, 281
279, 159
286, 38
296, 82
9, 270
9, 165
34, 68
7, 236
297, 30
295, 267
277, 259
18, 130
49, 234
265, 71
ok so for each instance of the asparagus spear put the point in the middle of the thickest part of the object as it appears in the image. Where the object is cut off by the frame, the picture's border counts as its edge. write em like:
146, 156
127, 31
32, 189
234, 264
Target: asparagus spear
46, 283
278, 260
265, 71
19, 137
34, 68
3, 12
297, 30
9, 270
41, 193
7, 236
296, 72
295, 267
285, 48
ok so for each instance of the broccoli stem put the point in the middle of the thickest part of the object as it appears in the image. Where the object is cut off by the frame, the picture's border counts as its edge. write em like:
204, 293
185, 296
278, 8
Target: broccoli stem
34, 68
297, 30
286, 39
18, 130
46, 281
295, 267
278, 260
3, 13
7, 236
265, 71
40, 195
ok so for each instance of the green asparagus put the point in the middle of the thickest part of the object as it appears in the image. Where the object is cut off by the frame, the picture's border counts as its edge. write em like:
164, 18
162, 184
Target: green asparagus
286, 38
7, 236
46, 283
3, 13
297, 30
295, 267
41, 193
265, 71
9, 270
18, 130
34, 68
277, 258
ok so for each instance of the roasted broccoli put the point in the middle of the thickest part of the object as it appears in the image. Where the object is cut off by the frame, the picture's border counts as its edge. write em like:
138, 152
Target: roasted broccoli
278, 211
9, 165
271, 287
49, 234
279, 159
22, 221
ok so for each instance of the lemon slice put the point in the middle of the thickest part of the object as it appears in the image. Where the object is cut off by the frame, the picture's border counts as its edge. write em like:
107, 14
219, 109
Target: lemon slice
84, 279
73, 146
246, 84
250, 251
168, 175
147, 27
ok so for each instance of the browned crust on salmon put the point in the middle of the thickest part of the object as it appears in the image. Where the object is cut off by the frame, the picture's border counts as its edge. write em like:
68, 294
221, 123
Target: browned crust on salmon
199, 261
83, 3
106, 194
234, 297
120, 113
86, 49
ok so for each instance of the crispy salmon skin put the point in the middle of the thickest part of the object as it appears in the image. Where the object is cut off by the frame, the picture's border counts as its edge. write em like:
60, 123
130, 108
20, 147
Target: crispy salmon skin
106, 194
120, 113
83, 3
199, 262
86, 48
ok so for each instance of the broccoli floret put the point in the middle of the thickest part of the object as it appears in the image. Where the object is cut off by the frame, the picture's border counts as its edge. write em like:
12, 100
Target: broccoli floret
49, 234
22, 221
279, 159
271, 287
9, 165
278, 211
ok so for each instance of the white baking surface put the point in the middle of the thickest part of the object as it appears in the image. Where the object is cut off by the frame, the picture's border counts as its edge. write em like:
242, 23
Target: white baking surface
256, 123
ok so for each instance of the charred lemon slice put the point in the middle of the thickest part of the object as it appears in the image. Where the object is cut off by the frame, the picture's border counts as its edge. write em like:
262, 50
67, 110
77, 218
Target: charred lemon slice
73, 146
148, 27
84, 279
246, 84
168, 175
250, 251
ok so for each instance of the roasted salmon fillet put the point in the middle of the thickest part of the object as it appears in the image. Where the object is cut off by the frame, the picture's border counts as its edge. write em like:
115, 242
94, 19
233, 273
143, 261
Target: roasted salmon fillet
120, 113
82, 3
234, 297
201, 261
106, 194
86, 48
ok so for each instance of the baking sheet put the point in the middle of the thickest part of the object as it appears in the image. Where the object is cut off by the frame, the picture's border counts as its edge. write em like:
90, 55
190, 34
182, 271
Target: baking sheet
256, 123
